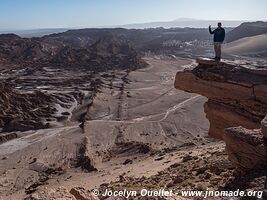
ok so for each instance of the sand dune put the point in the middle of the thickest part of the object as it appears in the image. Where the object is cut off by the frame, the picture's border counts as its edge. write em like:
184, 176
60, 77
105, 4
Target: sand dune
248, 45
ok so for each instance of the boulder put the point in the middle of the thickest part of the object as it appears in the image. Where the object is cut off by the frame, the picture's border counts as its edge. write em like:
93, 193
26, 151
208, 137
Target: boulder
81, 193
246, 148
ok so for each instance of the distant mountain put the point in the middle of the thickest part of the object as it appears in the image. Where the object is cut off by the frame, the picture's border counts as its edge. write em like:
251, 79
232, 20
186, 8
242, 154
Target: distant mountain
35, 32
182, 23
178, 23
247, 29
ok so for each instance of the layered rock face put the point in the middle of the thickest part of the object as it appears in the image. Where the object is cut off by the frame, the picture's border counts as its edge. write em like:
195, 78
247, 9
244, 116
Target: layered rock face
236, 106
237, 95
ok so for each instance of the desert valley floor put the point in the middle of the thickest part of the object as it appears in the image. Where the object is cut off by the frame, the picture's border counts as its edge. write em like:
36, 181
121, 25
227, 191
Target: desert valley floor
139, 132
129, 128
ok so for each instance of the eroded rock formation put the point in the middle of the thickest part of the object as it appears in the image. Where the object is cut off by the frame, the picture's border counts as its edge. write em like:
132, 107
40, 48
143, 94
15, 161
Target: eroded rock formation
22, 112
105, 53
237, 95
236, 105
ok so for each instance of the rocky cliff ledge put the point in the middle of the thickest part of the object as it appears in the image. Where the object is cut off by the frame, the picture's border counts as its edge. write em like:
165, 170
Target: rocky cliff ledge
237, 97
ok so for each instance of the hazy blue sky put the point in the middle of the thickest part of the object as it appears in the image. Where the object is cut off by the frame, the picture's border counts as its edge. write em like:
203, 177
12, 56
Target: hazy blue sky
28, 14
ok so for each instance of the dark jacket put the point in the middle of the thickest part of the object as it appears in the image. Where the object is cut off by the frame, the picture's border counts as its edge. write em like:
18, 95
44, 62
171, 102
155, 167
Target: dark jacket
219, 34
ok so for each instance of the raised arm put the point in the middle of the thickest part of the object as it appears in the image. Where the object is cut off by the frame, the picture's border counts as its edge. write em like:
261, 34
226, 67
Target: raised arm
211, 32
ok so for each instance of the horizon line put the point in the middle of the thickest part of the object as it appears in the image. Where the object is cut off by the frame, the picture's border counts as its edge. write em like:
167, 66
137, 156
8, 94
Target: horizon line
137, 23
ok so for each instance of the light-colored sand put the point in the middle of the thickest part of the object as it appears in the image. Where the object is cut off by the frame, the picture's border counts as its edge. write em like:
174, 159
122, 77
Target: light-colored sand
23, 160
148, 111
248, 45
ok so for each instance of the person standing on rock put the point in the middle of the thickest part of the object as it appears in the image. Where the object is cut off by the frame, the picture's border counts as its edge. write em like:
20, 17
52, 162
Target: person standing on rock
218, 38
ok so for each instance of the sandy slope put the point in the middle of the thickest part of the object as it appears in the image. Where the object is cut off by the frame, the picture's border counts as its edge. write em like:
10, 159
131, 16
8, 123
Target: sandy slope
248, 45
26, 160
